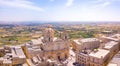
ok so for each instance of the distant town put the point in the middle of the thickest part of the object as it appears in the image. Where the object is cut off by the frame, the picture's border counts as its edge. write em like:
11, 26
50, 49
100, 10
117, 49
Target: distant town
60, 44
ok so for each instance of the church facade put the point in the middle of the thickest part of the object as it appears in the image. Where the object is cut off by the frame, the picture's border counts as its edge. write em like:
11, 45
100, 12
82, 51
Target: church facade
48, 46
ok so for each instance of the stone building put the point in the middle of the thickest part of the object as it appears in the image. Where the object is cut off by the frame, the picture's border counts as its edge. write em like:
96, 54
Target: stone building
99, 58
115, 60
108, 32
13, 56
48, 46
112, 46
93, 58
82, 58
84, 44
115, 38
101, 55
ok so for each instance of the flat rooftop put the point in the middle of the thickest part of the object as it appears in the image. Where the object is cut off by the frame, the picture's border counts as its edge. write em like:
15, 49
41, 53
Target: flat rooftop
116, 35
112, 64
100, 53
110, 44
17, 51
110, 38
37, 41
77, 42
89, 40
80, 41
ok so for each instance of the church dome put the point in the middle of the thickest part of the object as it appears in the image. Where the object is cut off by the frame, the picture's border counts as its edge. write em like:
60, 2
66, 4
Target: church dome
49, 30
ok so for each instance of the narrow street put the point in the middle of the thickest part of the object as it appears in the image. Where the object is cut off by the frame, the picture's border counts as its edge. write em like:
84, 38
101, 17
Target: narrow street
71, 58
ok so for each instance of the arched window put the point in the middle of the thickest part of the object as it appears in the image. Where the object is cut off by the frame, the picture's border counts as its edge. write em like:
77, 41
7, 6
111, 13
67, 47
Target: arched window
59, 58
65, 37
49, 38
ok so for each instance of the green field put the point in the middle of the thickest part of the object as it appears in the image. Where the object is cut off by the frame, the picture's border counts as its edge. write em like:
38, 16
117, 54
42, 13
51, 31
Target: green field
80, 34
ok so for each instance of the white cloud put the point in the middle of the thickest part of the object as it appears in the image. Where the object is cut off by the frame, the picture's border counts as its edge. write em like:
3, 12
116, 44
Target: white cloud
104, 4
69, 3
20, 4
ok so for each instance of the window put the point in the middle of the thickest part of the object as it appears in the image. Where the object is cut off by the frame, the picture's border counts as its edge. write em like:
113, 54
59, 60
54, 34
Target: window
49, 38
65, 37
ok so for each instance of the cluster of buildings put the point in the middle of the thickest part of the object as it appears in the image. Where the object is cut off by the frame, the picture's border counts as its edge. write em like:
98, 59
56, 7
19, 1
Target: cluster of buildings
13, 55
44, 51
54, 51
96, 52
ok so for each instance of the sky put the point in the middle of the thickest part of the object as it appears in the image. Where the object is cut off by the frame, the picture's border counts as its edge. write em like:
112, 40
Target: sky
59, 10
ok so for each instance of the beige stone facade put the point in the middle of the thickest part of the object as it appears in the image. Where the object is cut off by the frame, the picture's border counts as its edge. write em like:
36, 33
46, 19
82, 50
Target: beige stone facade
48, 46
83, 44
115, 61
113, 47
14, 55
100, 56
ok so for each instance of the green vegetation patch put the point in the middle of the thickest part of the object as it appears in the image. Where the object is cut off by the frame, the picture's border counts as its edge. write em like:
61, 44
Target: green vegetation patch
80, 34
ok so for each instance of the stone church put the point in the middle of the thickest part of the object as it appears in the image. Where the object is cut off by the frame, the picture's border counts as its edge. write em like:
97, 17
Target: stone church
48, 46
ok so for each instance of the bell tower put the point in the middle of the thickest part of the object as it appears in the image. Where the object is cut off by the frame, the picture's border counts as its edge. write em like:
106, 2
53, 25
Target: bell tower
48, 34
64, 35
